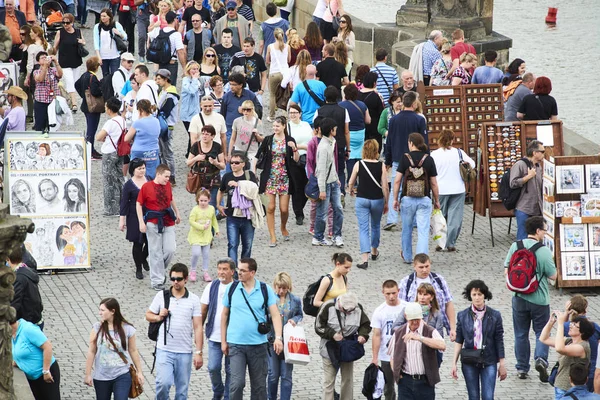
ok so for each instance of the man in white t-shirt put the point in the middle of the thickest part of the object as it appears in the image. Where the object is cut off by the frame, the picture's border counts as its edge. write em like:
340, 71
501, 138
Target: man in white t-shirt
148, 89
177, 47
123, 74
208, 117
211, 304
382, 320
183, 321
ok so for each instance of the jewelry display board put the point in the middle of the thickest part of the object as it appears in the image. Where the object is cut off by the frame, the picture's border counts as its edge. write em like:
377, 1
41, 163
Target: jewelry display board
572, 213
501, 144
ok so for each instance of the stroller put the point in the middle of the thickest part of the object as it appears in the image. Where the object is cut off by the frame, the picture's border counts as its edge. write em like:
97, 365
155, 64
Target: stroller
50, 15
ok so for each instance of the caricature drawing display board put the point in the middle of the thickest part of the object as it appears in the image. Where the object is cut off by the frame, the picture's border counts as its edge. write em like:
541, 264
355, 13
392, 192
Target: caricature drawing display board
46, 180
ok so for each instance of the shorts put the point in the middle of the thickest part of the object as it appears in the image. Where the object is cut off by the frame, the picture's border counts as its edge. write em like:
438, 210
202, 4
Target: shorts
70, 76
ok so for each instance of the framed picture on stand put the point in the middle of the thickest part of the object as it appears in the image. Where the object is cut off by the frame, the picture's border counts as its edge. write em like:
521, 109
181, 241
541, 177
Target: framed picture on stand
569, 179
573, 237
575, 265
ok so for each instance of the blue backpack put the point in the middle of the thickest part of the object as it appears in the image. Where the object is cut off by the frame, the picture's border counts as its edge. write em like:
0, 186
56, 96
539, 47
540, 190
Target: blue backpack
160, 51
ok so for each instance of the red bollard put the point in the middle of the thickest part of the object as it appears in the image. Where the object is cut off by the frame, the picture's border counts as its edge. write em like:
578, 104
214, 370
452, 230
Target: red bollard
551, 17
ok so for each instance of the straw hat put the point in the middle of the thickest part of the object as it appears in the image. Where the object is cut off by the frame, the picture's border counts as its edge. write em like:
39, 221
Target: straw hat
17, 92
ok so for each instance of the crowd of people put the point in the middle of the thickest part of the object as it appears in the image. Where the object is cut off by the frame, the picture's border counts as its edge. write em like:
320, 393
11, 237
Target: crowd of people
330, 125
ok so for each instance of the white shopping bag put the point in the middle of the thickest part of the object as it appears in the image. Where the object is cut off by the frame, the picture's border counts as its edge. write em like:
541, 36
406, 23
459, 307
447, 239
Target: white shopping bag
295, 347
439, 229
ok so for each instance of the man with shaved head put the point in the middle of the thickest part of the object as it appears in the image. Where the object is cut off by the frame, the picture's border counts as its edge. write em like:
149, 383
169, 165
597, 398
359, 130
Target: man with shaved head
310, 95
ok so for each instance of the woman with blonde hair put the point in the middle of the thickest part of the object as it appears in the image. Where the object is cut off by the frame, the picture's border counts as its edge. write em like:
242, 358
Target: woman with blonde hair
158, 20
191, 91
290, 309
210, 64
296, 44
278, 56
295, 75
217, 10
371, 199
39, 43
451, 186
442, 66
461, 75
246, 133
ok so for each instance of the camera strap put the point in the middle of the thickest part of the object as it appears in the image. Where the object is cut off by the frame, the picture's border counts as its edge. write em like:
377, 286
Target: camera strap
248, 304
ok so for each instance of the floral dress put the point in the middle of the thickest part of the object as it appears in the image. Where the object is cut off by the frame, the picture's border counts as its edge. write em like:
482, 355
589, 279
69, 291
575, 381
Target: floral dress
439, 71
462, 73
278, 182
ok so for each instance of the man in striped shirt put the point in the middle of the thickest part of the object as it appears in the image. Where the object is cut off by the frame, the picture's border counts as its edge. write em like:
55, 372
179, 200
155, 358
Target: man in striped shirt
387, 81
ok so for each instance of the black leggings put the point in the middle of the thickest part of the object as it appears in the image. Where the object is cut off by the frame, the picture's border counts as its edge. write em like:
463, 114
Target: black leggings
186, 125
46, 391
140, 253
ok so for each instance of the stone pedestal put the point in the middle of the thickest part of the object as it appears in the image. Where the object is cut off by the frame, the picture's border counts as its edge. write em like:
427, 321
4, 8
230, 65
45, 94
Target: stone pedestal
474, 27
413, 13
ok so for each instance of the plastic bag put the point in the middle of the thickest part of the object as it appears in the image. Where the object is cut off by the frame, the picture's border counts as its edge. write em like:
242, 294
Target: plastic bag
295, 347
439, 229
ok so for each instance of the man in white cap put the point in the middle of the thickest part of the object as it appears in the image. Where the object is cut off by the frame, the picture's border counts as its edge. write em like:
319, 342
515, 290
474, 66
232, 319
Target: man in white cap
122, 75
16, 113
414, 356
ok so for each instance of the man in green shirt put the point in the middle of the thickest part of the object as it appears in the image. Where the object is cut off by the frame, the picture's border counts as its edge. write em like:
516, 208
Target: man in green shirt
533, 309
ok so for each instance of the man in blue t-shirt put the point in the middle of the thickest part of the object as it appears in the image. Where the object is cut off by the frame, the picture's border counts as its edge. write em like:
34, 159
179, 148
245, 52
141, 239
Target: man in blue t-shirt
304, 99
243, 339
488, 73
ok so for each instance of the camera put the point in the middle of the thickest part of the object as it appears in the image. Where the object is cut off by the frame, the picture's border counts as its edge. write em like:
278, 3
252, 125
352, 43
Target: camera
264, 328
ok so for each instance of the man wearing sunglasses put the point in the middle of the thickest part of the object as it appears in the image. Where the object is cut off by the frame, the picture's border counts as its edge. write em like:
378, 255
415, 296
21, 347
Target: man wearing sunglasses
239, 25
197, 39
123, 74
526, 174
182, 319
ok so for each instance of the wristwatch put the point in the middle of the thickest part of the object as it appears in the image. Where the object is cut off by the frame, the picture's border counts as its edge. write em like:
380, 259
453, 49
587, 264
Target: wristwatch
278, 338
45, 372
198, 352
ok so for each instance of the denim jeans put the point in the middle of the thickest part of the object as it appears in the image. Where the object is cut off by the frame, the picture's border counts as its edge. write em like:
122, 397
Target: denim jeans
118, 386
368, 213
151, 159
332, 196
279, 370
172, 369
92, 121
415, 209
255, 358
392, 216
143, 22
215, 357
521, 217
453, 207
481, 382
81, 11
415, 389
239, 228
524, 314
110, 66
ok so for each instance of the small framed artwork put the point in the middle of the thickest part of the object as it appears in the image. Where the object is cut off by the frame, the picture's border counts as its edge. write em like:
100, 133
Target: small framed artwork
549, 209
575, 265
548, 187
590, 205
549, 170
549, 243
549, 226
559, 208
595, 265
573, 237
594, 237
569, 179
592, 177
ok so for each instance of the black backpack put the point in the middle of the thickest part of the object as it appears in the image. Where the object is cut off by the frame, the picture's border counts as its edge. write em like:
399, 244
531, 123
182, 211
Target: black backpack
154, 327
160, 51
508, 195
309, 297
106, 85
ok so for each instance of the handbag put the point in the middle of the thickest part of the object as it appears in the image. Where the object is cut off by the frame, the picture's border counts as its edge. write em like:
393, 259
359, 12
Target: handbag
282, 96
474, 356
81, 50
467, 173
193, 178
335, 20
94, 104
350, 349
120, 43
311, 190
136, 389
261, 155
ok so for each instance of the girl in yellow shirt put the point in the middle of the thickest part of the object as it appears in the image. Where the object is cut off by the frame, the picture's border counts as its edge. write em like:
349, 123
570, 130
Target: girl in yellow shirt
203, 221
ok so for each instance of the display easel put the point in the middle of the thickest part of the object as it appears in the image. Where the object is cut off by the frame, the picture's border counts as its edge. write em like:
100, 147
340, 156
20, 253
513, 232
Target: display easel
563, 280
500, 145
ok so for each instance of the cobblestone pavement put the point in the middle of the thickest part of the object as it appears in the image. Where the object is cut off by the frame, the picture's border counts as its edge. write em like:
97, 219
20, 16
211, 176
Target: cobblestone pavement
71, 299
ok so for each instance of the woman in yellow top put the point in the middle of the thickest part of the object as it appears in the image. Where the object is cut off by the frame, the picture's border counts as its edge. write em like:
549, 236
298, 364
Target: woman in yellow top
330, 290
203, 221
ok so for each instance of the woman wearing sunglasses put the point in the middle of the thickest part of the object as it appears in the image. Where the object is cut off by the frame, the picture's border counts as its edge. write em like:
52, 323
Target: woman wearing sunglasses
210, 63
246, 134
66, 43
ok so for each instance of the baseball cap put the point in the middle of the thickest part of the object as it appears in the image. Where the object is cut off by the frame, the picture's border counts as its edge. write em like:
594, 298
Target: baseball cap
127, 56
231, 4
164, 73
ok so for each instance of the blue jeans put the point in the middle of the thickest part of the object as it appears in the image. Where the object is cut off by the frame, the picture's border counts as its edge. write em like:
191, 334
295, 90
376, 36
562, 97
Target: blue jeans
415, 209
255, 358
332, 196
368, 213
279, 369
151, 158
172, 369
237, 228
453, 207
415, 389
521, 217
392, 216
110, 66
118, 386
474, 375
524, 314
215, 357
81, 11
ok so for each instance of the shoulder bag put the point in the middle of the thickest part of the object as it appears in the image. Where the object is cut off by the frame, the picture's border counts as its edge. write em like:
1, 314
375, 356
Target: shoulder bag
251, 139
350, 349
311, 190
282, 96
335, 18
193, 177
94, 104
474, 356
261, 155
313, 95
467, 173
82, 52
370, 174
136, 389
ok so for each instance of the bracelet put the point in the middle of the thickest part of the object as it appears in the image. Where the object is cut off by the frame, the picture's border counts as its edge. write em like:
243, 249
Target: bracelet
279, 338
198, 352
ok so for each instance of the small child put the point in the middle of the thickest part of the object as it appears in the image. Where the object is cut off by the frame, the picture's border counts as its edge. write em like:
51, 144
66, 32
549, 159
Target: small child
203, 221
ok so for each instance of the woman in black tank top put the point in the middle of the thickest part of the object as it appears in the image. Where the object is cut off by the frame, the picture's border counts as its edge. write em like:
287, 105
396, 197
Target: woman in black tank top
371, 199
66, 43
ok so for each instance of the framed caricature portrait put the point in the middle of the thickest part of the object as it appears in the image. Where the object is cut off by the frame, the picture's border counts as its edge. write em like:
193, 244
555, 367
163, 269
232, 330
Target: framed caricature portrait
575, 265
592, 177
573, 237
570, 179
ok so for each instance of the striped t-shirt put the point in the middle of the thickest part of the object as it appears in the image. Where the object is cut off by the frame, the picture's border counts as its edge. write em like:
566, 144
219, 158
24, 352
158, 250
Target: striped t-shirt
388, 77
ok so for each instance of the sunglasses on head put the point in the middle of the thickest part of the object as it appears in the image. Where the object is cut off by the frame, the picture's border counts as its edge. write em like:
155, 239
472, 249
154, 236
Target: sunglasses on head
176, 278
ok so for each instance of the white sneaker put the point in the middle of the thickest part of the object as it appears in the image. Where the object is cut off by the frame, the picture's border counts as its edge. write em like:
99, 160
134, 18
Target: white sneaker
323, 242
339, 242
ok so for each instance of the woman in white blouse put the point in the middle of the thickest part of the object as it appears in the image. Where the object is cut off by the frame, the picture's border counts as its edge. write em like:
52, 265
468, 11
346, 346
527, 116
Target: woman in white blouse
296, 74
278, 56
302, 133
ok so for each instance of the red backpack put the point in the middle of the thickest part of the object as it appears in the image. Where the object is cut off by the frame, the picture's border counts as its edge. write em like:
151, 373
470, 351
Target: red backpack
521, 276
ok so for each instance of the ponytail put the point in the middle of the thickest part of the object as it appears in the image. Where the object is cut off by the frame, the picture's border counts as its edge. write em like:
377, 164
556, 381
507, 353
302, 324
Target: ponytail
341, 258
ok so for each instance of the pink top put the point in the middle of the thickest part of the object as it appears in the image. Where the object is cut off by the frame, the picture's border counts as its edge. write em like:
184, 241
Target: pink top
331, 10
154, 18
